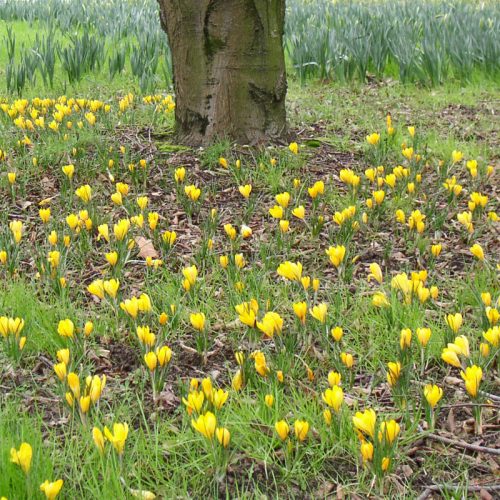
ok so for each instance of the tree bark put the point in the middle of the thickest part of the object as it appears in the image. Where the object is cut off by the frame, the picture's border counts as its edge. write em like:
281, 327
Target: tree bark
229, 69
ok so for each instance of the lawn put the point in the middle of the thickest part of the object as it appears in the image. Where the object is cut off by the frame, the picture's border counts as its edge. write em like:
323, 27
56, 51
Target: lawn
315, 318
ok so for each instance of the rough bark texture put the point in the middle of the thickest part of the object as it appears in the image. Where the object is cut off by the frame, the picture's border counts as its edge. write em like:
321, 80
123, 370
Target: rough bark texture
229, 68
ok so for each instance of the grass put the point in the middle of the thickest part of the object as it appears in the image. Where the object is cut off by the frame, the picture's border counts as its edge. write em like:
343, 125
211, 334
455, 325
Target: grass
163, 453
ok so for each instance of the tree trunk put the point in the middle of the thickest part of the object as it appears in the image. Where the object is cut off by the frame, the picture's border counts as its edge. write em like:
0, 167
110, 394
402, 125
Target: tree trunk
229, 69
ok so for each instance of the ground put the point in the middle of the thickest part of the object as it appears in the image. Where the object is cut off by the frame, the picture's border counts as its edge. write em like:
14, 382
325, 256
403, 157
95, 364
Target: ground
164, 453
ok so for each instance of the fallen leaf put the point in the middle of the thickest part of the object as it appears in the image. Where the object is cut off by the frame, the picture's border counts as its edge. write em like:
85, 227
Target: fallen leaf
407, 470
450, 421
167, 398
453, 380
146, 248
484, 495
26, 204
324, 489
340, 492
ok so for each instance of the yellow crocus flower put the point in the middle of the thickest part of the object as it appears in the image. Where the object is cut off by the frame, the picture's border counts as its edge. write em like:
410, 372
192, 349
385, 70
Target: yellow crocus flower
454, 321
301, 428
365, 422
51, 489
98, 438
334, 397
477, 251
472, 378
319, 312
223, 436
290, 270
245, 190
433, 394
22, 457
300, 310
205, 424
197, 321
336, 254
118, 437
282, 429
66, 328
388, 431
375, 273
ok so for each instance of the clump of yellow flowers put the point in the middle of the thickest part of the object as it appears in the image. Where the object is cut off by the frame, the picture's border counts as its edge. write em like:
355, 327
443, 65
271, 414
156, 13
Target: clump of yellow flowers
274, 277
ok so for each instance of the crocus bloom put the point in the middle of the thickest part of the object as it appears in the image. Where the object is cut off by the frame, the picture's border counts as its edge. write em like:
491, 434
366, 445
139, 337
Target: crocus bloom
245, 190
334, 397
290, 270
299, 212
197, 321
433, 394
379, 299
389, 431
118, 437
223, 436
365, 422
164, 355
337, 333
423, 336
319, 312
22, 457
375, 273
477, 251
84, 193
194, 401
151, 360
405, 338
367, 451
260, 364
454, 321
98, 438
66, 328
336, 254
450, 357
300, 310
334, 378
51, 490
472, 378
283, 199
205, 424
373, 139
301, 428
393, 372
282, 428
347, 359
436, 249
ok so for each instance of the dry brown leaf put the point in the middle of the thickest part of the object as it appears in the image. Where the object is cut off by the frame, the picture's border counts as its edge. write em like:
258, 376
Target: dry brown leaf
26, 204
450, 421
484, 495
146, 248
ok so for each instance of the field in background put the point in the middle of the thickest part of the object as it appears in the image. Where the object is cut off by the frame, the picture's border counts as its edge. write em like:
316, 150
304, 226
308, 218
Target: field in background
60, 43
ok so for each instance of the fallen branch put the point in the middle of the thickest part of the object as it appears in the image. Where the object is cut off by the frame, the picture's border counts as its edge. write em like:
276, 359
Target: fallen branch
462, 444
490, 396
442, 487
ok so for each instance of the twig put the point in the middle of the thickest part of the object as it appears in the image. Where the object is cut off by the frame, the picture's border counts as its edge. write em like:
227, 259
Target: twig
462, 444
469, 405
188, 349
471, 488
490, 396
